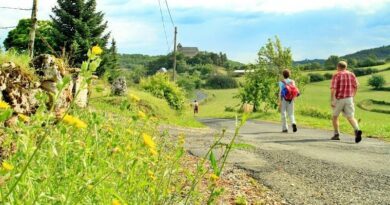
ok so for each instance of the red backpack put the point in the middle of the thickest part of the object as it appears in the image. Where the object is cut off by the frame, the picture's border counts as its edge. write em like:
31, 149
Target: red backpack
290, 91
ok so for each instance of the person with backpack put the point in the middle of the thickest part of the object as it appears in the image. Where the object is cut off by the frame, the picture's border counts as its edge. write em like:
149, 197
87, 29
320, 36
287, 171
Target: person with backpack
287, 93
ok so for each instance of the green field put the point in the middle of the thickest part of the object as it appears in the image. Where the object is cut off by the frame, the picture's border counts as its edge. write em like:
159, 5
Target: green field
316, 96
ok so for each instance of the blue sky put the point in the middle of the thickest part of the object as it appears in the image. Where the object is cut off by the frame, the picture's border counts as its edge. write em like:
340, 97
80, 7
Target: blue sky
311, 28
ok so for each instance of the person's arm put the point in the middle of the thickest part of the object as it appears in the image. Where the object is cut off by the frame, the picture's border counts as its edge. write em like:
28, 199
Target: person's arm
333, 88
280, 96
356, 85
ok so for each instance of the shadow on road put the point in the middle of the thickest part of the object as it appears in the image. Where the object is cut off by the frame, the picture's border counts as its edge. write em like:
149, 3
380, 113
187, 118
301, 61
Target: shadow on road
300, 141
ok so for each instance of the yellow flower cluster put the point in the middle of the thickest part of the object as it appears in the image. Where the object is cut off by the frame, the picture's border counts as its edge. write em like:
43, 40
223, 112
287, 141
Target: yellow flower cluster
148, 141
116, 202
7, 166
141, 114
134, 98
181, 139
74, 121
24, 118
151, 175
4, 105
214, 177
96, 50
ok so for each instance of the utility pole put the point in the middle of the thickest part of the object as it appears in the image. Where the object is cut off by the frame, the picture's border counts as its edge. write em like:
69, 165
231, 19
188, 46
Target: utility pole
174, 56
33, 28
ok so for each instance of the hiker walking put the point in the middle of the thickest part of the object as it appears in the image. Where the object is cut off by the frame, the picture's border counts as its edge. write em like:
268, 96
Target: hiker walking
196, 107
287, 93
343, 90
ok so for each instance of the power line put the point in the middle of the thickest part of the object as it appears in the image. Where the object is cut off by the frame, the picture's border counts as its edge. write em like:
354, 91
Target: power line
169, 12
7, 27
15, 8
163, 23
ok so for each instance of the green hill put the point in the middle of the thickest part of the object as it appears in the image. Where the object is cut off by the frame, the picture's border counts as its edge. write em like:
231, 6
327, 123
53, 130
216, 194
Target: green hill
381, 53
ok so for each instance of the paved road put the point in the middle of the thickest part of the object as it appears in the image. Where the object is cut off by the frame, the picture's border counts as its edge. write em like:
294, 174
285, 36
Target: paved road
306, 167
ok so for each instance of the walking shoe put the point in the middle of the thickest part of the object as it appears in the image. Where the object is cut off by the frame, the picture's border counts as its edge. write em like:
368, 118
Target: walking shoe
335, 137
358, 136
295, 129
285, 131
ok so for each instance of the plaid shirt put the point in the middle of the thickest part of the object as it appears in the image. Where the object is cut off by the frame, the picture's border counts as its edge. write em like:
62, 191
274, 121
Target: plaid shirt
345, 84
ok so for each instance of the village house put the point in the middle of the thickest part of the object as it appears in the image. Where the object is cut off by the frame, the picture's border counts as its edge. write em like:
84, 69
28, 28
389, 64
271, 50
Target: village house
187, 51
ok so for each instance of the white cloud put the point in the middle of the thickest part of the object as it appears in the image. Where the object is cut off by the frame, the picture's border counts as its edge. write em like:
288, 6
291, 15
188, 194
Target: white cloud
277, 6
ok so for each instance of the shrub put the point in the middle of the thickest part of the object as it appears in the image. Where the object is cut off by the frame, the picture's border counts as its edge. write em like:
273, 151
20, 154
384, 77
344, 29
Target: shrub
316, 77
229, 109
189, 82
376, 81
160, 86
221, 82
328, 76
364, 71
313, 112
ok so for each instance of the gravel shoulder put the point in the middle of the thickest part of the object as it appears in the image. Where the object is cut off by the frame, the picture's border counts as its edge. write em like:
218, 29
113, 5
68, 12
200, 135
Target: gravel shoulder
305, 167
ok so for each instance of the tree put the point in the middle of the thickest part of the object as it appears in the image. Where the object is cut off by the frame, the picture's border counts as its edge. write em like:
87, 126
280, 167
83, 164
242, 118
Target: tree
352, 62
18, 38
110, 63
274, 56
331, 62
78, 26
260, 87
376, 81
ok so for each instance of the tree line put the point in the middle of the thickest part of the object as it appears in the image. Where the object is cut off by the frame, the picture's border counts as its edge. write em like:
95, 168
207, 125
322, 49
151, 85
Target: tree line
73, 28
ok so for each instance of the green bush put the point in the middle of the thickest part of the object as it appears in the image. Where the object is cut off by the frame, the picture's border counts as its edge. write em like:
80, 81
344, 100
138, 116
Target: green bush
328, 76
316, 77
160, 86
376, 81
313, 112
189, 82
221, 82
364, 71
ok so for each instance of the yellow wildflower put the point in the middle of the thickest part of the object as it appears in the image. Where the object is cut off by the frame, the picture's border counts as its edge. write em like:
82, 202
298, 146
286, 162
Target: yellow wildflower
116, 202
214, 177
181, 139
116, 150
141, 114
148, 141
89, 187
7, 166
151, 175
24, 118
96, 50
134, 98
74, 121
4, 105
153, 152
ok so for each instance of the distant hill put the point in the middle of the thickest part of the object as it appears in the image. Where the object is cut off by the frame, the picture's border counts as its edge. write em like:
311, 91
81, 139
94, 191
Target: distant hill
381, 53
308, 61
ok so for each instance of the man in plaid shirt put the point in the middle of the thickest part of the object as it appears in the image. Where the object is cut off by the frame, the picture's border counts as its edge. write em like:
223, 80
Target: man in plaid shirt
343, 89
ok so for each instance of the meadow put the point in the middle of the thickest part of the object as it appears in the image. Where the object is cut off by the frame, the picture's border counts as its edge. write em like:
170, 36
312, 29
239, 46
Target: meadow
313, 107
112, 152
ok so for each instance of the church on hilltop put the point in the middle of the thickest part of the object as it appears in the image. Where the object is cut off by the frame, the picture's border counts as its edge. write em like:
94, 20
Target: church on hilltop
187, 51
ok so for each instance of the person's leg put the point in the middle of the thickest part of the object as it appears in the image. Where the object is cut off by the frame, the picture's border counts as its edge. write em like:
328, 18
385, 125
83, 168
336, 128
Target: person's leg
335, 118
290, 111
349, 112
335, 121
283, 115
